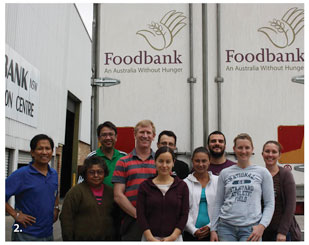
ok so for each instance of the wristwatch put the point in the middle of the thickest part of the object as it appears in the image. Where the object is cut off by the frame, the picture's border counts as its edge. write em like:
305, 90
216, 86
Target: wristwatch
17, 214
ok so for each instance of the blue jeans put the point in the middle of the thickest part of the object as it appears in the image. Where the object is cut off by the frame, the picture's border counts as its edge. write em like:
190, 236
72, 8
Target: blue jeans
20, 236
227, 232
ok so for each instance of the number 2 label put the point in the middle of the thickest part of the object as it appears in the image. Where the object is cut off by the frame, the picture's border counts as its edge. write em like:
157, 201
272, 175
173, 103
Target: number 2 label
17, 228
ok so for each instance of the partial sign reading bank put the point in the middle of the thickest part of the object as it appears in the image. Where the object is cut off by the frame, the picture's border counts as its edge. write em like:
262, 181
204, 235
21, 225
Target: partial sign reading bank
22, 88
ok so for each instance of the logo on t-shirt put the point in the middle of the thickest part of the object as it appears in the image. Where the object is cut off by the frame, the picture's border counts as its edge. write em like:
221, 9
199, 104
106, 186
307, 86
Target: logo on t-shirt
242, 192
242, 186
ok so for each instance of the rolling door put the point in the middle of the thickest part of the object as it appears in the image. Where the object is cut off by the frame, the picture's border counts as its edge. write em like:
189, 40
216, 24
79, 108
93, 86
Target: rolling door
7, 162
24, 158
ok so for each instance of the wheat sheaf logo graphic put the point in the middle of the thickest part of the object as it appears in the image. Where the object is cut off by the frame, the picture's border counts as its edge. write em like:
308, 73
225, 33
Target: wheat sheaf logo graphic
282, 33
161, 35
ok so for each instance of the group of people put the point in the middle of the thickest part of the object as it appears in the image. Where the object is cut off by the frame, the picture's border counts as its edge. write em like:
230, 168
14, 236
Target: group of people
153, 196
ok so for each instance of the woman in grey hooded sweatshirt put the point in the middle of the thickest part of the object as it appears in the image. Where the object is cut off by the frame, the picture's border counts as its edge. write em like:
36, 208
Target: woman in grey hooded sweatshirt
238, 211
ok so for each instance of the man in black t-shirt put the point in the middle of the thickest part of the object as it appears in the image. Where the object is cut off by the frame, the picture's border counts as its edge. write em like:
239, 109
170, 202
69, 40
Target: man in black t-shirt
168, 138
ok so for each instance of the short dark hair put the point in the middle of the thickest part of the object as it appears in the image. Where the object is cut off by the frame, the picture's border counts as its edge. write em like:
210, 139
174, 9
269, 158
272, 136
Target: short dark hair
201, 149
165, 149
93, 160
34, 141
216, 132
107, 124
168, 133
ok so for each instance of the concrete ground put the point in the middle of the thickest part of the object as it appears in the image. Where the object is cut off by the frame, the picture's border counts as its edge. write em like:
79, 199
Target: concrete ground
57, 229
301, 222
9, 221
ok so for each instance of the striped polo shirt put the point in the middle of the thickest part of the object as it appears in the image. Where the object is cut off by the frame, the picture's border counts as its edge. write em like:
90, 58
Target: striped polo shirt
132, 171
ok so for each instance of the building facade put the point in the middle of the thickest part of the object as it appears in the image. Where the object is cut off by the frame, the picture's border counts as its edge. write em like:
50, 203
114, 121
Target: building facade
48, 71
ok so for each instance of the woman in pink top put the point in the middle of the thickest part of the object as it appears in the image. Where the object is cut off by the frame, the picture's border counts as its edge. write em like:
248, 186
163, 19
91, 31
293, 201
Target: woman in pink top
88, 208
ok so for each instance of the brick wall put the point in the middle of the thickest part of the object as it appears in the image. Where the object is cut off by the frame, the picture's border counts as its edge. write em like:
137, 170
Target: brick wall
83, 150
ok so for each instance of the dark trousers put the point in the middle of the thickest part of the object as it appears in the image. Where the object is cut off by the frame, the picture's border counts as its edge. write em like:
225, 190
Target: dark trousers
117, 216
130, 230
271, 236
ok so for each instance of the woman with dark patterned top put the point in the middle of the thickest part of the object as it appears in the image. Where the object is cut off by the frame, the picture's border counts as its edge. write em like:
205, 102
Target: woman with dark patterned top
88, 210
285, 196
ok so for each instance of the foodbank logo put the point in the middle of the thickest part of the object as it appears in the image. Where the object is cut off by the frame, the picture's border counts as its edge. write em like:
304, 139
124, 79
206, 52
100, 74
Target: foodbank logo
282, 32
160, 35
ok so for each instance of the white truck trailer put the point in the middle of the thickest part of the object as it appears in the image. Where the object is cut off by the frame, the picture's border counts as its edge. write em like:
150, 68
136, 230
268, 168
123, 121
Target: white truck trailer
196, 68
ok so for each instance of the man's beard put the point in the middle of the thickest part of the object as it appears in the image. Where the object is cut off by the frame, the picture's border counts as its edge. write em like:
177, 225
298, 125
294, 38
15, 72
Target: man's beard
215, 154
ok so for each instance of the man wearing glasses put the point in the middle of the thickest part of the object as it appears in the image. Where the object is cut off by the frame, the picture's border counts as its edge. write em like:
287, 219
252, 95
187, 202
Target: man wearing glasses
107, 136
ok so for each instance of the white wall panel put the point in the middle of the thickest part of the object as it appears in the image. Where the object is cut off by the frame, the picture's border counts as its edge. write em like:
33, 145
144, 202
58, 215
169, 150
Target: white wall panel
52, 38
160, 96
255, 102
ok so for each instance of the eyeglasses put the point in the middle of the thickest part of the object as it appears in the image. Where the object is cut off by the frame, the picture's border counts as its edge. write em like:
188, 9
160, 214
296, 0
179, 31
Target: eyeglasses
105, 135
98, 172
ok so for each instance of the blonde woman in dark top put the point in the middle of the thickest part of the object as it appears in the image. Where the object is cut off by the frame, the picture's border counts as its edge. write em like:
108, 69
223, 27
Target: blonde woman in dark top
283, 226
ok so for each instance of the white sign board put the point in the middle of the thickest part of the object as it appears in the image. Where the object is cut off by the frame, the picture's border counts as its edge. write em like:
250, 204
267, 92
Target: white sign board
22, 89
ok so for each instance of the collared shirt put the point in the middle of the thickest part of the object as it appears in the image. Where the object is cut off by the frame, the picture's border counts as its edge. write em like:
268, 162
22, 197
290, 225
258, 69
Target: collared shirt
132, 171
111, 163
35, 195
